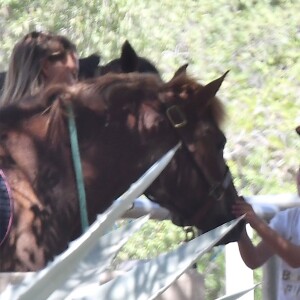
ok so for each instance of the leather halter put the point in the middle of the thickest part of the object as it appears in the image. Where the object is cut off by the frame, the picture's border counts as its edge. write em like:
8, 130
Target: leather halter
178, 120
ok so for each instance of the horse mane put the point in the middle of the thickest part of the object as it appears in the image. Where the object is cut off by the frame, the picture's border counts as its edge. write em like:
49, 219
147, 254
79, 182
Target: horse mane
108, 94
57, 130
13, 114
56, 99
105, 97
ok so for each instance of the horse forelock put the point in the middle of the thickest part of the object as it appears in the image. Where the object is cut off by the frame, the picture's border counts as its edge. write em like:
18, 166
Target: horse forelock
150, 116
185, 89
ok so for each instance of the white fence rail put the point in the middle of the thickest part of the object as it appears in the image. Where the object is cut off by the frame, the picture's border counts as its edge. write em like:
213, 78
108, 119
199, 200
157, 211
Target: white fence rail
264, 205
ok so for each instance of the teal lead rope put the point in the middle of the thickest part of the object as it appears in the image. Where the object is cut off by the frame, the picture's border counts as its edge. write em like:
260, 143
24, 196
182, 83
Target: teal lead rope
78, 169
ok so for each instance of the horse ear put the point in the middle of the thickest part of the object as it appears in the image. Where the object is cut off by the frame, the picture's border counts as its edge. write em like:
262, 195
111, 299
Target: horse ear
210, 90
89, 61
180, 71
129, 58
88, 66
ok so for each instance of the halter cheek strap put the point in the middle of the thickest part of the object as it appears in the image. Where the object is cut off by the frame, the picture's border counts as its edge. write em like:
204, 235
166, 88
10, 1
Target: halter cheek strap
178, 120
217, 190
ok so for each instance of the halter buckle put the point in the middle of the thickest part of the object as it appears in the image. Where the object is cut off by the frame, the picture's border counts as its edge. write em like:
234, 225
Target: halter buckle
176, 116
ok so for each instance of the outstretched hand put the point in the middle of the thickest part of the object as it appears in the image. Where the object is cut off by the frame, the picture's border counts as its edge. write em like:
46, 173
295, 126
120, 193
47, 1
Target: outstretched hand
241, 207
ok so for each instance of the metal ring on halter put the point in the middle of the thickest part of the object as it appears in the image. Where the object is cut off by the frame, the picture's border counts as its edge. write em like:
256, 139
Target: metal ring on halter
190, 233
174, 112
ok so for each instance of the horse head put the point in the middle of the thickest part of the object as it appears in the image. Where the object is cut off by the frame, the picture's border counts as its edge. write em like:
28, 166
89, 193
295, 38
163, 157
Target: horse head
198, 182
197, 186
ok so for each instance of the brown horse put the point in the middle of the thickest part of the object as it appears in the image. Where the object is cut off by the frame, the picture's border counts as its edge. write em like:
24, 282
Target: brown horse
125, 123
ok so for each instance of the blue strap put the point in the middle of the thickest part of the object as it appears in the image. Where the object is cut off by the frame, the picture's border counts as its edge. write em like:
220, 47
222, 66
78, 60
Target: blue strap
78, 169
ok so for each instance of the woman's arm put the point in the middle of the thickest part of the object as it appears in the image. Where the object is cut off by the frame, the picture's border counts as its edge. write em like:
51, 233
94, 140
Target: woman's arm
253, 256
272, 242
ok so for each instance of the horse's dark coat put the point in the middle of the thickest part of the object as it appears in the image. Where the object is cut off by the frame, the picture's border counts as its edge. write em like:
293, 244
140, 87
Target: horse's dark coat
123, 130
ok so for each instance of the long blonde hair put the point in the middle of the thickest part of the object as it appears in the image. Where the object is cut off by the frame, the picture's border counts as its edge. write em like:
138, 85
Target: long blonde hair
24, 76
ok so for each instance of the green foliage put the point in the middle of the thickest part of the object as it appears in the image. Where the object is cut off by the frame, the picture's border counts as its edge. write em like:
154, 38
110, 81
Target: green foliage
257, 40
212, 265
155, 238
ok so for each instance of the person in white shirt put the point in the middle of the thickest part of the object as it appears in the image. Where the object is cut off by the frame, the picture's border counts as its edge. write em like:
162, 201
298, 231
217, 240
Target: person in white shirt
280, 237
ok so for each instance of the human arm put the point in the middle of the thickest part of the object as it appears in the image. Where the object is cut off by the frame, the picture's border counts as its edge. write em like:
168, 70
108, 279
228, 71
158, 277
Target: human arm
272, 242
254, 256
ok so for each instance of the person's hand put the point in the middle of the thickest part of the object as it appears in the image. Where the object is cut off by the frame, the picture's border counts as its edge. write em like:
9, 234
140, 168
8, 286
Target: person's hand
241, 207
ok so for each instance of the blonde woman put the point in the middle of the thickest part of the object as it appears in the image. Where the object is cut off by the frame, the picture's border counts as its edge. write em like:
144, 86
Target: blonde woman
37, 60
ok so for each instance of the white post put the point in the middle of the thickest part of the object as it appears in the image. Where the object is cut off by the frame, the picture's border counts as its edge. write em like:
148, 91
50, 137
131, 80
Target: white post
238, 275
